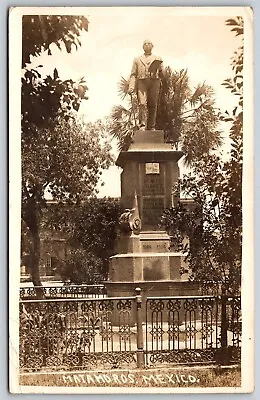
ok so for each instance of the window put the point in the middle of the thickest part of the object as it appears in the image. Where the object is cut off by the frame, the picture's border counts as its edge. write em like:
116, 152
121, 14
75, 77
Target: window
48, 265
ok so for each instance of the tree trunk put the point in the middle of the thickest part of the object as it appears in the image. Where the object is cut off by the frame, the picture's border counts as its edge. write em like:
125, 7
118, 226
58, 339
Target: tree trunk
36, 259
32, 221
35, 271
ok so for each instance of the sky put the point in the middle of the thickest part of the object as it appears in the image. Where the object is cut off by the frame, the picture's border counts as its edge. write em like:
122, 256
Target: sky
202, 44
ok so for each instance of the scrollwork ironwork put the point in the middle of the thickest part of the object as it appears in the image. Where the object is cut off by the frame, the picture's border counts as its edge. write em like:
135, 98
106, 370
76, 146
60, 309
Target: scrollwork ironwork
192, 324
190, 304
156, 305
59, 334
124, 305
182, 356
77, 333
173, 305
64, 291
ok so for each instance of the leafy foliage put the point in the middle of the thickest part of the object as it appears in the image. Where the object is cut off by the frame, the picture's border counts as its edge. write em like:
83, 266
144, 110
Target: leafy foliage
90, 227
41, 31
213, 223
81, 267
59, 154
43, 100
65, 160
122, 124
174, 95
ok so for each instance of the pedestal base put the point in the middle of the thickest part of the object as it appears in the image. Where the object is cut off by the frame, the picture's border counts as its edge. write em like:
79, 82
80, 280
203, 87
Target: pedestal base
149, 266
152, 288
146, 241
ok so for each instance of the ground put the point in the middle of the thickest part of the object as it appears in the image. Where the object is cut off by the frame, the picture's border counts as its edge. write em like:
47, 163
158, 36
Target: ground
191, 377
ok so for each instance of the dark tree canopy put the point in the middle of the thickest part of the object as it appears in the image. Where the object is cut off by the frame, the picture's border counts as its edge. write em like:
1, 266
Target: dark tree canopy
39, 32
90, 229
45, 98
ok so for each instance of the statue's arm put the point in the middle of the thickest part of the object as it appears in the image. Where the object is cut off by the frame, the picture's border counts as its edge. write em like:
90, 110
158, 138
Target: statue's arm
133, 77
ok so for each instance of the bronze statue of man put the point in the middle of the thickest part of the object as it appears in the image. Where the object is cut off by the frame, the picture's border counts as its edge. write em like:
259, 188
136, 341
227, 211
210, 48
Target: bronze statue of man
145, 80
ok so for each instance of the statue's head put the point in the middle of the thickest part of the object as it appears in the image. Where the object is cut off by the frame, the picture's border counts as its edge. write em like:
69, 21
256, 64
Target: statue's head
147, 46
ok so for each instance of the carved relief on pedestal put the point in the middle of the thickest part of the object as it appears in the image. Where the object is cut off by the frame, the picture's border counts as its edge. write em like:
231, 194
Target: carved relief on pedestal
129, 220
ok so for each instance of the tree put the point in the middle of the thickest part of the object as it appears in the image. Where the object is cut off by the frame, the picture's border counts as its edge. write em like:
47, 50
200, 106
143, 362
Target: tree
65, 162
80, 267
59, 154
214, 224
90, 229
45, 99
188, 117
42, 31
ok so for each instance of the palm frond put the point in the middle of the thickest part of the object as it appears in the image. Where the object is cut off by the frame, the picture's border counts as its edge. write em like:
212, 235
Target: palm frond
201, 92
122, 126
123, 87
119, 112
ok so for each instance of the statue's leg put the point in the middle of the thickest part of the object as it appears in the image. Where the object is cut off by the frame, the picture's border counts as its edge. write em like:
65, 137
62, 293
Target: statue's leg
142, 102
152, 101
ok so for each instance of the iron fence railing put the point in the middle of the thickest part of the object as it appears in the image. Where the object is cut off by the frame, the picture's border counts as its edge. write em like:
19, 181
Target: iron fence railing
86, 333
192, 329
77, 333
63, 291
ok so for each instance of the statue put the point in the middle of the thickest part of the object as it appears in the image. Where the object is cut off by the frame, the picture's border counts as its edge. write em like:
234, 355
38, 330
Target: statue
145, 81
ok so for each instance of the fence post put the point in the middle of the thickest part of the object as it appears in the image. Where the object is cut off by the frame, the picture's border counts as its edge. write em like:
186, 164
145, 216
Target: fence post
223, 354
224, 322
139, 337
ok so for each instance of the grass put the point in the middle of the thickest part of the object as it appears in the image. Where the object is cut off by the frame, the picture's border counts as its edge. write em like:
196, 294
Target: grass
163, 378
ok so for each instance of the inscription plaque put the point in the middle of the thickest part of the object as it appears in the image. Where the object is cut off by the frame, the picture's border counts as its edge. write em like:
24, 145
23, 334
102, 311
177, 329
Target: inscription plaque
152, 168
156, 246
153, 193
153, 185
152, 210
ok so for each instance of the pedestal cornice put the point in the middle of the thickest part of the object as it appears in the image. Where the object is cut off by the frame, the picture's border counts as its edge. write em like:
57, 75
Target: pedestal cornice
148, 154
148, 146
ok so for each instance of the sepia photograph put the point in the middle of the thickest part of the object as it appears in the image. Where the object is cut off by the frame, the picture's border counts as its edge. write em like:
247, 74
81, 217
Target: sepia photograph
131, 200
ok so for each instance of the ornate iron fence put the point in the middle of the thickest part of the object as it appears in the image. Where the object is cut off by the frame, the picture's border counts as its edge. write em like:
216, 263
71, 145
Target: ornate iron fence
195, 329
64, 291
75, 334
89, 333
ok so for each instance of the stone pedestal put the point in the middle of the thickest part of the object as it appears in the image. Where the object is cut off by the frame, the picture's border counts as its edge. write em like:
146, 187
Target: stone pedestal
144, 259
150, 170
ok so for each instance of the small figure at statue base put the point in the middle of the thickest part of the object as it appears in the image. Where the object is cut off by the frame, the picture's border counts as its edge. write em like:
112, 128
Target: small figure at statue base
129, 220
